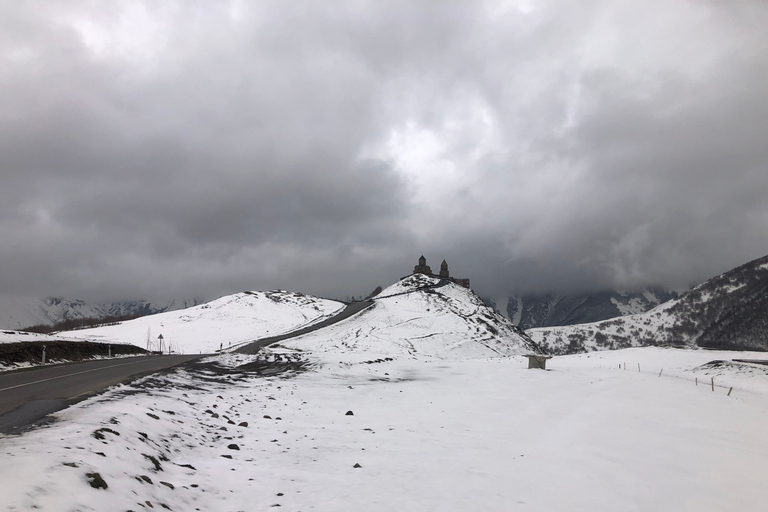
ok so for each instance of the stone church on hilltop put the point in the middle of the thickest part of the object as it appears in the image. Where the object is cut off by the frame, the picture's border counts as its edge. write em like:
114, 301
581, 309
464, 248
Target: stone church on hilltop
423, 268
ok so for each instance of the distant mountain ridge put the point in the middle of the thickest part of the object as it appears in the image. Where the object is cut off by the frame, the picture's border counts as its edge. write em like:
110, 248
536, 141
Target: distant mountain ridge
729, 311
18, 313
550, 310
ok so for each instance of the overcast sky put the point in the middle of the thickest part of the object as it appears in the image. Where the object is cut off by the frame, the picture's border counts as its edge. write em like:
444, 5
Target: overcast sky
193, 148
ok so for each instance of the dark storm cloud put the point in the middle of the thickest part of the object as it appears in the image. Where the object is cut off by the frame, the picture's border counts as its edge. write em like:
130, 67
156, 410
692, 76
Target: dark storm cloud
191, 149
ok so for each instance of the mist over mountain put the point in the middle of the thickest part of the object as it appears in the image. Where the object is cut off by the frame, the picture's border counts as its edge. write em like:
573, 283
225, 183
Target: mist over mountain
548, 310
729, 311
18, 313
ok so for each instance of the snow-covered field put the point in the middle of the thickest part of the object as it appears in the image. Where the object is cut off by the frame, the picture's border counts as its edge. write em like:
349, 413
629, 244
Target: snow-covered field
7, 336
222, 323
422, 402
475, 434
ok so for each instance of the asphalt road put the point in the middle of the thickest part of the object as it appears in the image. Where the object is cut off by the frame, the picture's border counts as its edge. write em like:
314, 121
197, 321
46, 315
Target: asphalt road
351, 309
28, 395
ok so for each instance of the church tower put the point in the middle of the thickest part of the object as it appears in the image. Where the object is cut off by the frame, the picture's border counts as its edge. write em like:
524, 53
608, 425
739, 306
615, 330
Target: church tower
444, 269
422, 267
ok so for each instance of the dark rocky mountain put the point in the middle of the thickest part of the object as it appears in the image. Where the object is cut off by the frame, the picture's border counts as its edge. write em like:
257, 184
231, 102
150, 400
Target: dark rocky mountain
729, 311
552, 310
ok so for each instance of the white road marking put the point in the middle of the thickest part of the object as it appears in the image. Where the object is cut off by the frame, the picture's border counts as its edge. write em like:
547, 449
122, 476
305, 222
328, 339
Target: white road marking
67, 375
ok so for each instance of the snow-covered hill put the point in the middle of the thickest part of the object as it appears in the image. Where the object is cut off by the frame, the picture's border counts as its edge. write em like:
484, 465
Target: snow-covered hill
549, 310
729, 311
419, 317
18, 313
217, 324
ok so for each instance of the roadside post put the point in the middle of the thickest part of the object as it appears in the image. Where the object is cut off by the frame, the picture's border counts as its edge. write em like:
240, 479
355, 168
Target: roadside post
43, 354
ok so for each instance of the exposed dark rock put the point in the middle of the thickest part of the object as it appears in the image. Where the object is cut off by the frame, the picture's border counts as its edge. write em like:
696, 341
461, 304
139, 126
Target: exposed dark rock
96, 481
99, 433
154, 462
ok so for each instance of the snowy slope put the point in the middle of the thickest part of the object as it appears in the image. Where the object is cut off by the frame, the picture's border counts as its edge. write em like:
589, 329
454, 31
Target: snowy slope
728, 311
418, 317
449, 436
220, 323
9, 336
549, 310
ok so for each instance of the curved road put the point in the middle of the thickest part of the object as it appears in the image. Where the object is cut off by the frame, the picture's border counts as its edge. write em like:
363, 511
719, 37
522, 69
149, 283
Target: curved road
352, 309
30, 394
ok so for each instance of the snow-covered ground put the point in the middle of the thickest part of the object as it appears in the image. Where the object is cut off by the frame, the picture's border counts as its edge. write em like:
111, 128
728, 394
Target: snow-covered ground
7, 336
222, 323
422, 402
475, 434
